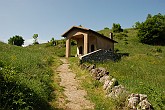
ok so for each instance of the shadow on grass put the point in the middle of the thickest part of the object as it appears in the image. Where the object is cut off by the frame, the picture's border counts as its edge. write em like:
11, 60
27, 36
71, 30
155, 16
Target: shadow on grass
16, 96
118, 56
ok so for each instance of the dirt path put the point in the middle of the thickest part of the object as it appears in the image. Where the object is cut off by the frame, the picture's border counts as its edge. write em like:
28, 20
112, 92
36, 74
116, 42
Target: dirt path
74, 95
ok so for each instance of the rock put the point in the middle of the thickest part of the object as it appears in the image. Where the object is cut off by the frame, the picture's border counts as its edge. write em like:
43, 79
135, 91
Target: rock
99, 73
95, 73
106, 83
144, 105
133, 102
111, 84
91, 67
117, 91
87, 66
139, 102
135, 95
104, 78
143, 97
103, 72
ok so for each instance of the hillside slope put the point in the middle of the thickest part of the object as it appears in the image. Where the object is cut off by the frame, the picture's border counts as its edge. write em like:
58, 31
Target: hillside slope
143, 70
25, 76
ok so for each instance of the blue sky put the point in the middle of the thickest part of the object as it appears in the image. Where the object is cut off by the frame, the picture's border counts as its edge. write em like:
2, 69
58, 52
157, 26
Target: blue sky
51, 18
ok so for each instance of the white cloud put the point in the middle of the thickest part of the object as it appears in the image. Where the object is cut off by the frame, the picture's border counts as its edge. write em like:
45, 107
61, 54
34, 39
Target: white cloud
30, 41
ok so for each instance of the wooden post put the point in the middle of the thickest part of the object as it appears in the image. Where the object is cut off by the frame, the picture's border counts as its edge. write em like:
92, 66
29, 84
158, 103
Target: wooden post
85, 44
68, 48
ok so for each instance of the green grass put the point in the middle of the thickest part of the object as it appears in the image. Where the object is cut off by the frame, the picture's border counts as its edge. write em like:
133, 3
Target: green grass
142, 71
95, 89
26, 73
25, 76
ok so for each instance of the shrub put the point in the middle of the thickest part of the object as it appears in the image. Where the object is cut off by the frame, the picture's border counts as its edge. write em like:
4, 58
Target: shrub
116, 28
152, 31
73, 42
16, 40
106, 28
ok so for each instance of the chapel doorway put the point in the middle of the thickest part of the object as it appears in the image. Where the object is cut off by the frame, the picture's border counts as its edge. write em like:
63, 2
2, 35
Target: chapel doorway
92, 48
81, 50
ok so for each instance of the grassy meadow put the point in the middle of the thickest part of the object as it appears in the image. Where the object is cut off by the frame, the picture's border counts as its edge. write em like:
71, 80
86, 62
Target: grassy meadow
26, 73
143, 70
26, 77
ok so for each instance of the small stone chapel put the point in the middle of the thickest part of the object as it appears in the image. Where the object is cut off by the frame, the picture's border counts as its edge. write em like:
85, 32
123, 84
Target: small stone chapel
87, 40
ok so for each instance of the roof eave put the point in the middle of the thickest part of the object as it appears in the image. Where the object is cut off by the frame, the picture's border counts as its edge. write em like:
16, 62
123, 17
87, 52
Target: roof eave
65, 33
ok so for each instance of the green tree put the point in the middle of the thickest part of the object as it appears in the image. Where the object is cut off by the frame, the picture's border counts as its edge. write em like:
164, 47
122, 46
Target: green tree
106, 28
53, 41
116, 28
73, 42
152, 31
16, 40
35, 36
137, 24
149, 16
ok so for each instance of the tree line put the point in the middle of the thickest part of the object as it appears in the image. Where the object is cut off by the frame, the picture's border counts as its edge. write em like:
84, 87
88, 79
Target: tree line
19, 41
151, 31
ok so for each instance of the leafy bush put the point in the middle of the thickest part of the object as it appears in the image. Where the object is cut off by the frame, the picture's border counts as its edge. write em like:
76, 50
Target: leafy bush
106, 28
137, 25
16, 40
116, 28
152, 31
73, 42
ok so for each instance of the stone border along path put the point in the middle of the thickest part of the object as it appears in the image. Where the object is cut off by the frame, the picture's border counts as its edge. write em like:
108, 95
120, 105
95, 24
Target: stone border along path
75, 97
114, 90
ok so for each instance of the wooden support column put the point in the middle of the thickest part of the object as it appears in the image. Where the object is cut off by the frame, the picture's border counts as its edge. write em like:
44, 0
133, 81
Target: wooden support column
68, 48
85, 44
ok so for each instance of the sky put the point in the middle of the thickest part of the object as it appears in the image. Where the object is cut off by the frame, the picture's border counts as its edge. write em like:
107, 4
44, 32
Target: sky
51, 18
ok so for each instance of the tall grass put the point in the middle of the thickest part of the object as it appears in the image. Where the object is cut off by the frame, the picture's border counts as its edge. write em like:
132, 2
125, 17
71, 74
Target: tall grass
142, 71
25, 75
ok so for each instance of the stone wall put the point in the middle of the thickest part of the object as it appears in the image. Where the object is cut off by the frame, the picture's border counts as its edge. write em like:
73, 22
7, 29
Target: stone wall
99, 55
115, 90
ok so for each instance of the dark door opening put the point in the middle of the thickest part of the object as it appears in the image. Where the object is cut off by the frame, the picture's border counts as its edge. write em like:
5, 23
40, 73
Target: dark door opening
92, 48
80, 50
